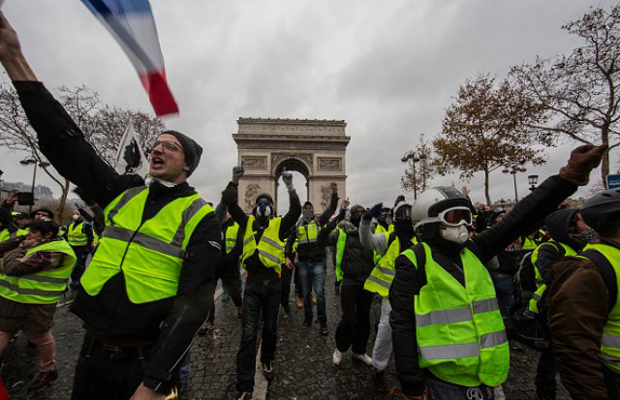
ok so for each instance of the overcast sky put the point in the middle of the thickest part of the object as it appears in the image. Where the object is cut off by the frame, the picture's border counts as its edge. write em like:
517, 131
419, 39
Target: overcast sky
389, 68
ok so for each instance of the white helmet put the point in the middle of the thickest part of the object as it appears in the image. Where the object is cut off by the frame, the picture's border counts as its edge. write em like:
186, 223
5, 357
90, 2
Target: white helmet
431, 205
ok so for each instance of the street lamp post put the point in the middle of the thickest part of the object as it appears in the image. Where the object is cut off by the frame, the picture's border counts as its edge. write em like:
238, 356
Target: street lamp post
415, 157
513, 169
532, 180
32, 160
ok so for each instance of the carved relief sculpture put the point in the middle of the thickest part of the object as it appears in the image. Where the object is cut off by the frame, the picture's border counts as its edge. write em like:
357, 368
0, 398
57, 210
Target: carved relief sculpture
326, 195
329, 164
254, 162
251, 193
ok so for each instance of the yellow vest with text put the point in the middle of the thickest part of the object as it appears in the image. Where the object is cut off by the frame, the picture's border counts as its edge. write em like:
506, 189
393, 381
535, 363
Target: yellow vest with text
382, 275
460, 332
270, 248
231, 237
149, 253
43, 287
76, 236
610, 341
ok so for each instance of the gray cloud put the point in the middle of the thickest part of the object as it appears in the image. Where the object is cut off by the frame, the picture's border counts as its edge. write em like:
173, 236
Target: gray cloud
388, 68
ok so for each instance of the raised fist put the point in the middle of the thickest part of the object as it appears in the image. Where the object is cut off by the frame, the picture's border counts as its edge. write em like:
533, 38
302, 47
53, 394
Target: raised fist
237, 173
287, 177
334, 187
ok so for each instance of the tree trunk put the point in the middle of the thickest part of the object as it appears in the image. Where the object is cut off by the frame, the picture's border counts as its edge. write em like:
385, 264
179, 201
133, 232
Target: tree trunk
605, 161
486, 187
63, 200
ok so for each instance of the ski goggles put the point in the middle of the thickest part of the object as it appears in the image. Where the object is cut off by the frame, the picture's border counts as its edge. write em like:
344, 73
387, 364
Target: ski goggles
455, 216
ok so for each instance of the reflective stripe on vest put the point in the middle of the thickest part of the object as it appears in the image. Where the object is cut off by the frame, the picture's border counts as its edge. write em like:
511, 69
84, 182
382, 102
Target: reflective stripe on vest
460, 331
541, 287
44, 287
149, 253
270, 248
308, 233
610, 341
382, 275
341, 245
76, 236
231, 237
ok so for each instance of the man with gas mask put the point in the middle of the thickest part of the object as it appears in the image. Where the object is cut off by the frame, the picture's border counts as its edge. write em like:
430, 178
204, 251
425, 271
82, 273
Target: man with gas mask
388, 246
354, 263
262, 258
311, 254
447, 330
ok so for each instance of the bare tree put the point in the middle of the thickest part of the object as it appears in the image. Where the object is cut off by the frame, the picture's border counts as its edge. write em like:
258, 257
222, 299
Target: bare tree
103, 126
420, 167
486, 128
579, 91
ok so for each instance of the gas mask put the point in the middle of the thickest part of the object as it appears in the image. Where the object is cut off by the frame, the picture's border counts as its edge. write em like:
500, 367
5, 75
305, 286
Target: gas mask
75, 217
457, 234
263, 208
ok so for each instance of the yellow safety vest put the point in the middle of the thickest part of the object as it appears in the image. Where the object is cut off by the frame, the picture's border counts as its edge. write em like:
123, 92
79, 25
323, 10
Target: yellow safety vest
382, 275
231, 236
5, 235
541, 287
76, 236
460, 331
308, 233
341, 245
380, 229
43, 287
270, 248
610, 341
149, 253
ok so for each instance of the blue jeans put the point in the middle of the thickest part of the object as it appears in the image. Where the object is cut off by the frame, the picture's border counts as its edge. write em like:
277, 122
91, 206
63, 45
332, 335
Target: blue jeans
505, 289
312, 276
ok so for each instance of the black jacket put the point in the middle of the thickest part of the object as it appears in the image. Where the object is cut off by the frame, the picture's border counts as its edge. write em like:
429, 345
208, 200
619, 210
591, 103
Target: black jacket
169, 323
229, 267
358, 261
315, 251
408, 280
253, 265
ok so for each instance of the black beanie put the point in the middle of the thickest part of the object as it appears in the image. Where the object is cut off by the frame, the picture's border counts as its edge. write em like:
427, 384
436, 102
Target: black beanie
191, 149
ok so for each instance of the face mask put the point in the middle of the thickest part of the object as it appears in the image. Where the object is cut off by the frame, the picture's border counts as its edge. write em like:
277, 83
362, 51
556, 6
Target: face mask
587, 236
404, 226
356, 222
75, 217
263, 209
308, 214
456, 234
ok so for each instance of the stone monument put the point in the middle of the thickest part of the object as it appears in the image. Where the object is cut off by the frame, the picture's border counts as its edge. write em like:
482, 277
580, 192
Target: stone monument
314, 148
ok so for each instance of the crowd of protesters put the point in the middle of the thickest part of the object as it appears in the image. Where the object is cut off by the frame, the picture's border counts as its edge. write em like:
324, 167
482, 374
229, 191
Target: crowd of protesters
457, 287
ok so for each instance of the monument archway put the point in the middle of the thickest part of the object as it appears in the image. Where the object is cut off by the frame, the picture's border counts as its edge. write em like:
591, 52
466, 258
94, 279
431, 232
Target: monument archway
314, 148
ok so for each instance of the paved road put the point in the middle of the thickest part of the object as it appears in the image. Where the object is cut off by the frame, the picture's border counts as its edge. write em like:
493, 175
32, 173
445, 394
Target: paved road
303, 362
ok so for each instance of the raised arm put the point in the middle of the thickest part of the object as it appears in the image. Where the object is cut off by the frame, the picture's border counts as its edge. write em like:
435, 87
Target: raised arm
541, 202
375, 242
294, 210
230, 198
60, 139
333, 203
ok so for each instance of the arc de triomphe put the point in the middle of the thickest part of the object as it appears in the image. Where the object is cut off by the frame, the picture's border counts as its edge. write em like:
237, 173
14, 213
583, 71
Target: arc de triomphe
314, 148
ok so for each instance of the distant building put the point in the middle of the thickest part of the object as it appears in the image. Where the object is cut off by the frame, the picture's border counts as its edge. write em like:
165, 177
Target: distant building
41, 192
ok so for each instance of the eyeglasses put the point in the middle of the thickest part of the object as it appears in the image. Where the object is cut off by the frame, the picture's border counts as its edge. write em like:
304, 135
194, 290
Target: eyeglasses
456, 216
166, 145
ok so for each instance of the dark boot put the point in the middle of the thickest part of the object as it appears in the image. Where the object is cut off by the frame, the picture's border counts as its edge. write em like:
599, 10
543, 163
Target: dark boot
542, 394
379, 381
323, 331
307, 322
268, 371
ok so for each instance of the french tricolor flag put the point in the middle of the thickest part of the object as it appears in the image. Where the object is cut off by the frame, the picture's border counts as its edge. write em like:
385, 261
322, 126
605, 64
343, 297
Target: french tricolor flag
131, 23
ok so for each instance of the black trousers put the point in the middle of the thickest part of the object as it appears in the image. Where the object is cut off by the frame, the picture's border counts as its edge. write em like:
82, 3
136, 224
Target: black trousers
287, 276
108, 375
354, 327
259, 295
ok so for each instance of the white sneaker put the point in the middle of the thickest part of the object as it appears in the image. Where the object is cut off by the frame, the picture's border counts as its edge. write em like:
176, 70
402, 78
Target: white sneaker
337, 357
363, 358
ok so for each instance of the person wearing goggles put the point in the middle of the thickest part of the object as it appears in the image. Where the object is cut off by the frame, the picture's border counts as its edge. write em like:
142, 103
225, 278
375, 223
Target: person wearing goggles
447, 330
